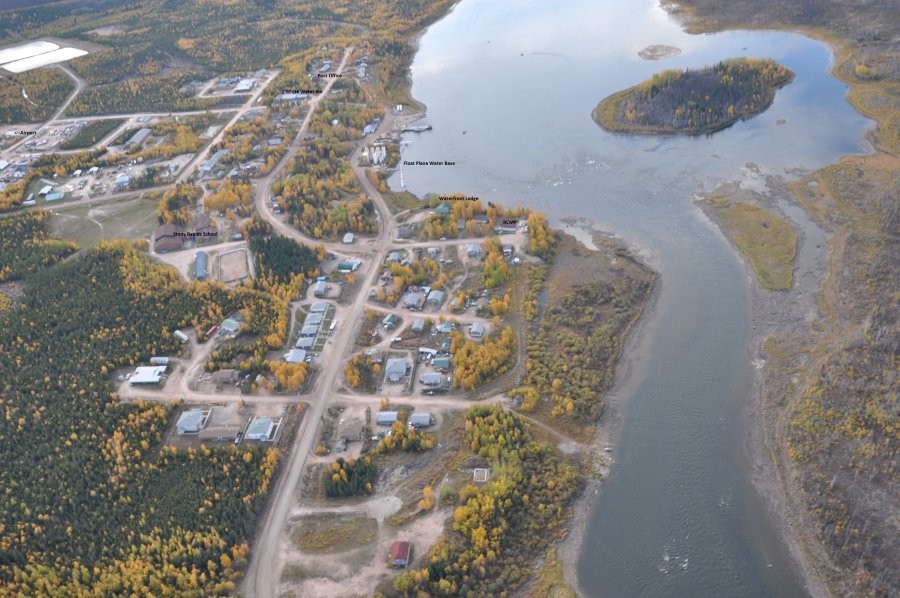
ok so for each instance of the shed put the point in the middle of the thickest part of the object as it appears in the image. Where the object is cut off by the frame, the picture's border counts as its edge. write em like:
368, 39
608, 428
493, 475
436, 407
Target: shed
305, 342
473, 250
396, 369
441, 363
77, 172
320, 289
431, 379
318, 307
421, 420
348, 238
394, 256
476, 330
159, 361
45, 190
386, 418
418, 325
55, 196
122, 181
399, 554
192, 421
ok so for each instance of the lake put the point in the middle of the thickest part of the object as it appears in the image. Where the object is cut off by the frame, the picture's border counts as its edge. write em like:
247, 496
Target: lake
509, 88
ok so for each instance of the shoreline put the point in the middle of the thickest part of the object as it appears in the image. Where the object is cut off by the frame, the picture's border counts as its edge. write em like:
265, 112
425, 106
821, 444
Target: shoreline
772, 313
630, 373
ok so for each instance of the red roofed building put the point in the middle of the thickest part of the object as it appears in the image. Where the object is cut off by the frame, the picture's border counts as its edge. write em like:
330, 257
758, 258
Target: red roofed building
167, 237
399, 554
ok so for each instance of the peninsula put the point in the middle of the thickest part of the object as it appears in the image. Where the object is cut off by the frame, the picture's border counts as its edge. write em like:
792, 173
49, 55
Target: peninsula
694, 102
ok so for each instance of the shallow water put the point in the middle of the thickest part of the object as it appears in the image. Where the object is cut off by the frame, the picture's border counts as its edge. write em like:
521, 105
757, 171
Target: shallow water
510, 87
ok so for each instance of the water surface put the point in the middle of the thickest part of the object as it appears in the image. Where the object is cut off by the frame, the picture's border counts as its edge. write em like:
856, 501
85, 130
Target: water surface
510, 87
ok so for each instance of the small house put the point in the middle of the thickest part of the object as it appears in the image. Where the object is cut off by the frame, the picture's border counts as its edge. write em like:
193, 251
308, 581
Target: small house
320, 289
435, 298
418, 325
191, 421
476, 330
413, 301
396, 369
348, 239
443, 209
431, 379
319, 307
399, 554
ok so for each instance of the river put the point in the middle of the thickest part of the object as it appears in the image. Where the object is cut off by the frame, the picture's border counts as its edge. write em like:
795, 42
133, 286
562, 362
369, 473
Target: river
509, 87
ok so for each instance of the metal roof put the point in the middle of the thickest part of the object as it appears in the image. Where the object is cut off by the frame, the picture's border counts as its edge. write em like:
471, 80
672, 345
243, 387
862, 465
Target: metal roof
147, 374
191, 421
260, 428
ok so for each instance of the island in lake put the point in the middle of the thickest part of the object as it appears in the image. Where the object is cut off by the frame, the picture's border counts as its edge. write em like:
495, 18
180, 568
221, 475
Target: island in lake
694, 102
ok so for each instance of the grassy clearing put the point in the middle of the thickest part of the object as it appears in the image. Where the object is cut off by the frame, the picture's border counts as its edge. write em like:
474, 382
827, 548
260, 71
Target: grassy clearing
400, 201
549, 580
334, 532
91, 133
88, 225
768, 242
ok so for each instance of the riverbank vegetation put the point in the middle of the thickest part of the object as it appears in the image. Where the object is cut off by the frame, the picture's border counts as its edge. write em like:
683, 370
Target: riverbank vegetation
837, 404
768, 242
500, 528
579, 313
694, 101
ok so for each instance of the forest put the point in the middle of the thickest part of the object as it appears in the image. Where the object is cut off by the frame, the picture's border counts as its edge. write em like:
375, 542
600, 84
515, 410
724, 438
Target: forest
46, 88
125, 515
280, 258
694, 101
499, 529
150, 50
477, 363
26, 246
572, 357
